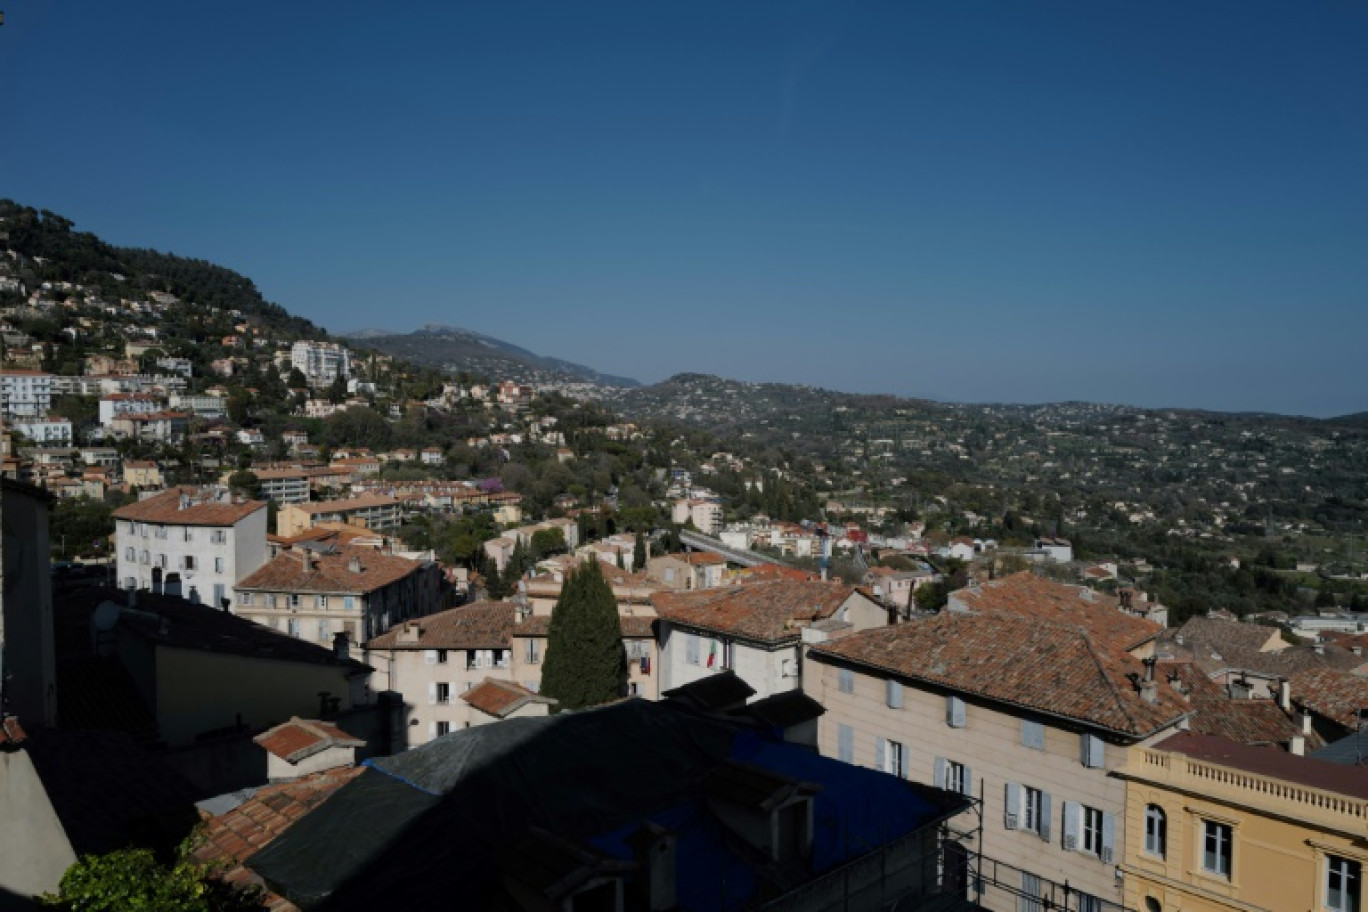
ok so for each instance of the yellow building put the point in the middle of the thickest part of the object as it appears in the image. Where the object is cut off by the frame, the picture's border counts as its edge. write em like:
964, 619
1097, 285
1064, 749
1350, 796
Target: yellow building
1215, 826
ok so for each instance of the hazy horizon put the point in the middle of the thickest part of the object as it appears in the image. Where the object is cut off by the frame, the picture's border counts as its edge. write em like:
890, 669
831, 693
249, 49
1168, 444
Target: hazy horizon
1160, 206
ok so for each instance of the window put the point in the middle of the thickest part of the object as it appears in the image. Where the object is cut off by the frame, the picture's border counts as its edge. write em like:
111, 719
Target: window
443, 728
845, 743
503, 658
1090, 831
1092, 752
1033, 734
1029, 900
1216, 846
954, 712
294, 599
189, 535
845, 678
691, 648
1156, 830
953, 777
244, 598
1035, 811
890, 757
218, 565
324, 632
533, 655
144, 558
271, 601
130, 554
348, 602
1088, 903
441, 656
189, 562
443, 692
218, 536
1343, 877
322, 601
895, 695
294, 627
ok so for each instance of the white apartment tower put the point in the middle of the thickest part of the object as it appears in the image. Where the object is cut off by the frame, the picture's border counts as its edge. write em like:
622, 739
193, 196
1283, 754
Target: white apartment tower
320, 362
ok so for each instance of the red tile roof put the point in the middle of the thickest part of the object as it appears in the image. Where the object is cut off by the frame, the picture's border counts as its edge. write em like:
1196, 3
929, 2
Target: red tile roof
1245, 720
10, 732
1049, 667
342, 506
1336, 695
231, 839
166, 508
301, 738
1308, 771
633, 626
481, 625
1028, 596
770, 612
330, 572
501, 698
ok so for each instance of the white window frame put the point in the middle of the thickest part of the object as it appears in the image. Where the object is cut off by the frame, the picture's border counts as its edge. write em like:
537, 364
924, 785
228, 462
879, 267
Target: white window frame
1218, 847
1343, 884
1156, 831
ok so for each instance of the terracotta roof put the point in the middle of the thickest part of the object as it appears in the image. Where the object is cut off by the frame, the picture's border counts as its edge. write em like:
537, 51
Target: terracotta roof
1308, 771
1215, 712
1217, 644
350, 503
10, 732
1050, 667
299, 739
1337, 695
166, 508
330, 571
770, 612
481, 625
777, 572
1227, 636
232, 838
633, 626
501, 698
1028, 596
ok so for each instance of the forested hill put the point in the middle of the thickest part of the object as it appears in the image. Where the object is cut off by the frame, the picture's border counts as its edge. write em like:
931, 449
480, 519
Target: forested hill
55, 252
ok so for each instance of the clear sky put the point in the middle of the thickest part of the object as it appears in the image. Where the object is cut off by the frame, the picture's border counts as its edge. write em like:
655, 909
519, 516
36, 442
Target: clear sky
1154, 203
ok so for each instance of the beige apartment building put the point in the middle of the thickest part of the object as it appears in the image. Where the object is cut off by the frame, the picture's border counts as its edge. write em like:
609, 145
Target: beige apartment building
371, 511
1029, 708
315, 595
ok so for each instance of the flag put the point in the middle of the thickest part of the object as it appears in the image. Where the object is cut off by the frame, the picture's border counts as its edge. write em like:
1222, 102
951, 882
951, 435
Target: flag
712, 653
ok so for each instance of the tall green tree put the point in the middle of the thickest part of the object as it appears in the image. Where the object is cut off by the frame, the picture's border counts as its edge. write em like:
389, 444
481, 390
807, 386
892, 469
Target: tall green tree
585, 661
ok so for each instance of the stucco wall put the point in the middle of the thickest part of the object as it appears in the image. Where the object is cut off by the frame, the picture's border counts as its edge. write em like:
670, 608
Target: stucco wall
34, 850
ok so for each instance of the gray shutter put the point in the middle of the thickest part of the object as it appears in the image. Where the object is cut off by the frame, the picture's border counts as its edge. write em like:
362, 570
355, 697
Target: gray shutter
903, 771
1013, 808
941, 766
968, 784
1108, 837
880, 753
895, 696
429, 657
1046, 816
1071, 822
845, 743
956, 712
432, 694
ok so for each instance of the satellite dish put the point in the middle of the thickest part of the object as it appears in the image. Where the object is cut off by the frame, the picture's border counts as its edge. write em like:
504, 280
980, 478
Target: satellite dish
106, 616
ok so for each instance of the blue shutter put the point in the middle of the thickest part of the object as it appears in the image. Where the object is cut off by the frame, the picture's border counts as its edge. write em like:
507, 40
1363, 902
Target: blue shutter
1108, 837
941, 767
954, 712
903, 771
880, 753
1046, 816
1032, 734
1093, 754
1071, 825
845, 743
1013, 809
895, 696
968, 784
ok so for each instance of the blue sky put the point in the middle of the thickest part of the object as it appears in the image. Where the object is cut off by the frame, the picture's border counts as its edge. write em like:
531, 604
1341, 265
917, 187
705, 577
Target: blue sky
1159, 203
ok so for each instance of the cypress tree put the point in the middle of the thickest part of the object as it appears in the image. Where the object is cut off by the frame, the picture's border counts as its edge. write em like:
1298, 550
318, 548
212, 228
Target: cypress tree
639, 554
585, 661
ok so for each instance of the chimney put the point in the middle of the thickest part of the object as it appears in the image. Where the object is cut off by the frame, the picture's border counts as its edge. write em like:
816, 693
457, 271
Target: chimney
1356, 650
1149, 688
341, 647
1285, 695
1297, 745
156, 581
1319, 648
1305, 723
172, 585
354, 565
306, 559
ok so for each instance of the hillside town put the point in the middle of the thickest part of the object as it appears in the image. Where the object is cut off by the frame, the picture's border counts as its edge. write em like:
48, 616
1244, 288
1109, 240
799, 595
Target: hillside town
300, 608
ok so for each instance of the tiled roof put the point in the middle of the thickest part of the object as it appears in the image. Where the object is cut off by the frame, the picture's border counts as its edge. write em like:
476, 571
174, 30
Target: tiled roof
777, 572
1226, 636
330, 572
166, 508
11, 734
633, 626
481, 625
771, 612
1049, 667
1248, 721
1216, 644
342, 506
501, 698
299, 739
1028, 596
1336, 695
1308, 771
231, 839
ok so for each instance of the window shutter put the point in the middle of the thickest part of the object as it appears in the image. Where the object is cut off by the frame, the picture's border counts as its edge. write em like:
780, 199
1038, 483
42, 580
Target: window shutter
1013, 806
954, 712
1046, 816
429, 657
1093, 753
1072, 824
432, 730
903, 770
1032, 734
895, 700
941, 767
1108, 837
432, 694
880, 753
845, 743
968, 784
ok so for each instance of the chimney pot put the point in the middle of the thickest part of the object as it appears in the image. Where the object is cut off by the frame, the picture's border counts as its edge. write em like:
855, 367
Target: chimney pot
1306, 723
1297, 745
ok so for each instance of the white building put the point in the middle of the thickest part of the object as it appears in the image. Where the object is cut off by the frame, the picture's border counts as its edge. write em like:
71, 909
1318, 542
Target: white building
320, 362
44, 431
116, 404
26, 393
706, 515
206, 538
